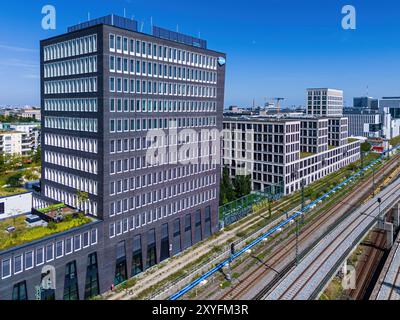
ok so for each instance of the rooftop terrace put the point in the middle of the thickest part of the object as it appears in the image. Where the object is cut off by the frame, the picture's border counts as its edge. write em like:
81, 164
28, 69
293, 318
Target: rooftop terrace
17, 230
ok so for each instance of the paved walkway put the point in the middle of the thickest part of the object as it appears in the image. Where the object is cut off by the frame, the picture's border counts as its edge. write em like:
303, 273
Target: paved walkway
153, 277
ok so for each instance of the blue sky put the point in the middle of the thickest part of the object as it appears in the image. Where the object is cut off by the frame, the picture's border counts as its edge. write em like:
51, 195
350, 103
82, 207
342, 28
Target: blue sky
275, 48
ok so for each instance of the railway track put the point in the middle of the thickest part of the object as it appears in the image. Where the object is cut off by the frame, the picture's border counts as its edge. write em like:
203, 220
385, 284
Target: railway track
365, 273
328, 250
257, 274
390, 286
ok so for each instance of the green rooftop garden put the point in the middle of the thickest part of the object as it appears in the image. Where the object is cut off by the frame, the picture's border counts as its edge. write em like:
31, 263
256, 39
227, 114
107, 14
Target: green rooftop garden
306, 154
6, 192
52, 208
351, 140
24, 234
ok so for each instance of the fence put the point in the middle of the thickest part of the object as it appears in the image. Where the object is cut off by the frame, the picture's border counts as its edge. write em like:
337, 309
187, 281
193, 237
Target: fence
238, 209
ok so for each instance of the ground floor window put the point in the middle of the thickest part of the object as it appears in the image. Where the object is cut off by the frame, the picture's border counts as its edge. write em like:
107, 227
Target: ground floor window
71, 282
120, 266
176, 245
151, 249
164, 242
19, 291
137, 259
92, 277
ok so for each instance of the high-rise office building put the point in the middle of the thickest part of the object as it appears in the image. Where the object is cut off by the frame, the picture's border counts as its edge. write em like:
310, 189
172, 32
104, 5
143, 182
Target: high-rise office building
129, 119
325, 102
366, 103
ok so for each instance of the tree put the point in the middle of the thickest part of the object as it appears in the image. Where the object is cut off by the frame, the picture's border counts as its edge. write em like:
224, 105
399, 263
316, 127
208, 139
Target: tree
14, 181
365, 147
81, 198
2, 162
37, 156
242, 185
227, 193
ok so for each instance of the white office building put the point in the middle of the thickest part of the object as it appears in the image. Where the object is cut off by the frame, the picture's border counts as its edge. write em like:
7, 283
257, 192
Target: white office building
325, 102
275, 150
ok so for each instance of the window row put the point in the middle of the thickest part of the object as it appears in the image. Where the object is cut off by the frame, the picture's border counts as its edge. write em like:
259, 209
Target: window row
145, 218
71, 180
72, 105
143, 105
73, 143
28, 260
146, 68
89, 206
145, 143
70, 48
73, 124
137, 163
160, 88
139, 182
144, 124
71, 67
82, 85
68, 161
131, 46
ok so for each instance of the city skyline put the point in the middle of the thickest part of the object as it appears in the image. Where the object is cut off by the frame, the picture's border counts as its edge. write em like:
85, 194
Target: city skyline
276, 53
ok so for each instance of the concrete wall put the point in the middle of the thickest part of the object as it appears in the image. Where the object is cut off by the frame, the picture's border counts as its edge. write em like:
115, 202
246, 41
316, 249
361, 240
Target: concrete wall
16, 205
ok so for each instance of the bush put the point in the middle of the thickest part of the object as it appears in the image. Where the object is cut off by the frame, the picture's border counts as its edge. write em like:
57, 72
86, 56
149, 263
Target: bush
52, 225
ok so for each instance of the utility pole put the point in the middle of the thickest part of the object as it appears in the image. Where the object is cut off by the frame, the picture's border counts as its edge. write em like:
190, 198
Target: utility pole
373, 181
302, 200
297, 241
269, 207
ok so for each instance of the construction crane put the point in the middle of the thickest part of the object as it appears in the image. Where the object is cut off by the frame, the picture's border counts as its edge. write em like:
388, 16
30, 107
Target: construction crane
278, 104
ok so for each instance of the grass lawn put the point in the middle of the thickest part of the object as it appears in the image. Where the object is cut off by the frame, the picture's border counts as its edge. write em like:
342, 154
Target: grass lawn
15, 190
5, 192
306, 154
23, 234
395, 141
351, 140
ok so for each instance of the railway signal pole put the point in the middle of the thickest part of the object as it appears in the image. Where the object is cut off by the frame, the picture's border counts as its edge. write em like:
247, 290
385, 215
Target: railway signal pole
302, 200
373, 181
297, 242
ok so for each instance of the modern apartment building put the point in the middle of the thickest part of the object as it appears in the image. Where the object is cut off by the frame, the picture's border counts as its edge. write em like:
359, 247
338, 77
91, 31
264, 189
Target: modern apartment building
286, 150
106, 90
325, 102
15, 143
32, 130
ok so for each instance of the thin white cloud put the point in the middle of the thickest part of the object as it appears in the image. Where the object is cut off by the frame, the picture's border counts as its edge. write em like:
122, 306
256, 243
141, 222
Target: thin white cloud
17, 49
30, 76
16, 63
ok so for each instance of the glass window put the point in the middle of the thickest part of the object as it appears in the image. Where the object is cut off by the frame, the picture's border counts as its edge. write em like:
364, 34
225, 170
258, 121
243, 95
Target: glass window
28, 260
6, 268
49, 252
20, 292
39, 256
112, 42
18, 264
59, 249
